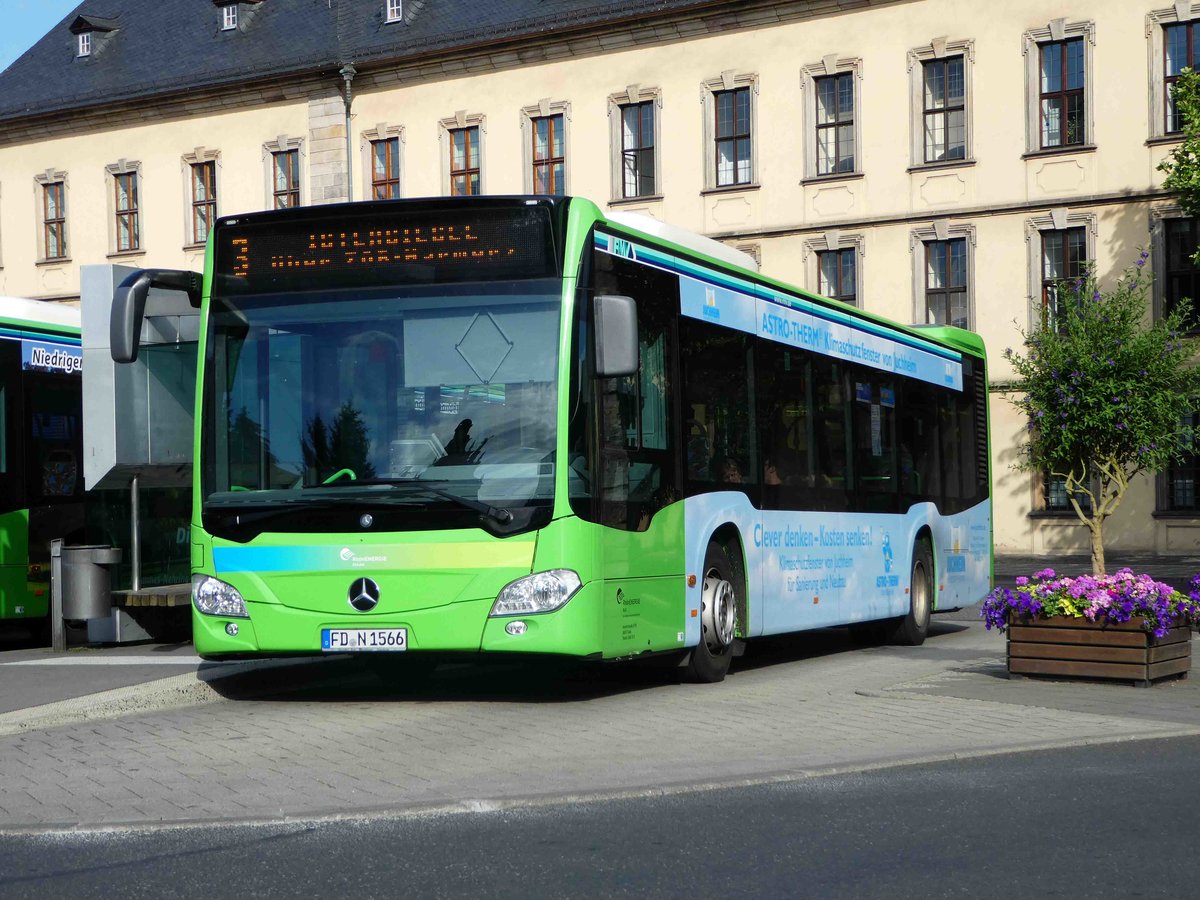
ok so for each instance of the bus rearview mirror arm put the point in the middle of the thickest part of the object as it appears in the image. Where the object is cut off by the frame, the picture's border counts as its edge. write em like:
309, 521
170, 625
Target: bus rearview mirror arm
615, 322
129, 306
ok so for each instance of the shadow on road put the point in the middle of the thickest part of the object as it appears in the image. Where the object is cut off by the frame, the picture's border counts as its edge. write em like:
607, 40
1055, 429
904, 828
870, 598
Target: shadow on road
473, 678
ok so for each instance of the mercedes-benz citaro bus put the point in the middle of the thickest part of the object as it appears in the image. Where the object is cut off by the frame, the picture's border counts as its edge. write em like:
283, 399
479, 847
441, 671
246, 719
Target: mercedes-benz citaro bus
41, 451
518, 425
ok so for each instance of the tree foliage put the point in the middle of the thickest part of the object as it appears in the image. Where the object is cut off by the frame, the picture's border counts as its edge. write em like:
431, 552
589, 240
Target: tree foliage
1183, 165
1105, 393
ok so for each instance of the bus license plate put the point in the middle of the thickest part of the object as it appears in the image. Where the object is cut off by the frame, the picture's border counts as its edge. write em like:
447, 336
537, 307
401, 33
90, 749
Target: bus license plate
358, 640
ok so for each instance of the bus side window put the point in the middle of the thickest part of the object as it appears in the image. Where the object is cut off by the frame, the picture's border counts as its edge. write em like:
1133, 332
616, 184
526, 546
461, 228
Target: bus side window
831, 411
716, 373
784, 391
919, 457
875, 463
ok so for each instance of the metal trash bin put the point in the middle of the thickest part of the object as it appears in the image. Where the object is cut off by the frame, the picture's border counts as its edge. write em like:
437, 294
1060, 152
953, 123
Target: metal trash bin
86, 583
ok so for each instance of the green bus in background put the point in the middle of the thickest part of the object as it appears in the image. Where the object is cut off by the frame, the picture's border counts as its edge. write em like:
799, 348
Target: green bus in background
41, 450
518, 425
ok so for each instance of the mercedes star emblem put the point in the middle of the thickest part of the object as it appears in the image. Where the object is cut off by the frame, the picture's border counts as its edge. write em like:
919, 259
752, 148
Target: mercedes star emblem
363, 594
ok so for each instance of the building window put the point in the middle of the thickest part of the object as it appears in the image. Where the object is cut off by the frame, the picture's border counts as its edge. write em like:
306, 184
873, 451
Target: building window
395, 10
229, 17
1059, 86
637, 149
1056, 499
463, 152
1180, 275
634, 134
733, 137
125, 207
940, 88
729, 110
832, 117
549, 155
285, 167
1064, 257
1062, 82
946, 298
945, 109
837, 274
1181, 476
385, 169
464, 162
1179, 52
54, 220
835, 123
85, 44
204, 199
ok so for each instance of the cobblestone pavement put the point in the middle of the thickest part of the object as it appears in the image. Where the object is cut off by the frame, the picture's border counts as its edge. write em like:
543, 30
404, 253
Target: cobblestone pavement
330, 742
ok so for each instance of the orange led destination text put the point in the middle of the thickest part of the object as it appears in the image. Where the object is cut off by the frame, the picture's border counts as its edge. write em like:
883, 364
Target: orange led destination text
379, 246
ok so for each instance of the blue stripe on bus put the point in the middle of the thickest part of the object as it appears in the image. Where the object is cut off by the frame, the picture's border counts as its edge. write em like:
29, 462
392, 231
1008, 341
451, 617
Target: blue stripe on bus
47, 336
658, 258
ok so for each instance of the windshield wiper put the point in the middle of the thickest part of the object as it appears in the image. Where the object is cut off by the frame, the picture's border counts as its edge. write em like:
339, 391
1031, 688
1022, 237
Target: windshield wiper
498, 513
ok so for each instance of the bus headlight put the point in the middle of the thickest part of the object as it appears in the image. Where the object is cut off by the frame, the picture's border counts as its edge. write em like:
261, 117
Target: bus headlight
214, 597
537, 593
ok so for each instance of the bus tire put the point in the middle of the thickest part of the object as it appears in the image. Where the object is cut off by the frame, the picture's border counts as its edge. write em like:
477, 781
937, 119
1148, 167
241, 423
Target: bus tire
913, 628
709, 660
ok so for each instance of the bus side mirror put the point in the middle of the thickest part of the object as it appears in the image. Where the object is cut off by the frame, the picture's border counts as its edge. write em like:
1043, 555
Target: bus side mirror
129, 306
615, 321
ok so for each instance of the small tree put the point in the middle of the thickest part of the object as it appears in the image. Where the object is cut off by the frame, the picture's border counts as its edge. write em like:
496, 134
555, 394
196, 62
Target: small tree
1183, 165
1104, 393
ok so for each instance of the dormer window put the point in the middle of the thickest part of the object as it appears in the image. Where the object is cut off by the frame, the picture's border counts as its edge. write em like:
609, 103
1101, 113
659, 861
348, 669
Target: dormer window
92, 33
229, 17
395, 10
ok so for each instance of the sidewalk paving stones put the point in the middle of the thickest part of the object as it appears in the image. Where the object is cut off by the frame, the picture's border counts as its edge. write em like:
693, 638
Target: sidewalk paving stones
329, 742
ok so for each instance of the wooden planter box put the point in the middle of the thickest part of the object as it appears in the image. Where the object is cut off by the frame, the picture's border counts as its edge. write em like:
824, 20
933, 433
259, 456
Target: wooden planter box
1064, 646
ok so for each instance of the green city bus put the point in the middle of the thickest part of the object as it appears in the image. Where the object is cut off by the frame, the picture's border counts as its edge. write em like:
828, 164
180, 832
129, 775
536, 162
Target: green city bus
520, 425
41, 450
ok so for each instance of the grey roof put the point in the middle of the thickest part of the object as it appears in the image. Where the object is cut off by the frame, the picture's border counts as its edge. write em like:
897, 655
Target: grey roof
164, 47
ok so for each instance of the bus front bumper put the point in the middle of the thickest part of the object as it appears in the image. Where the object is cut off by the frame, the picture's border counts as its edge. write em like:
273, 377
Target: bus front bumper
272, 629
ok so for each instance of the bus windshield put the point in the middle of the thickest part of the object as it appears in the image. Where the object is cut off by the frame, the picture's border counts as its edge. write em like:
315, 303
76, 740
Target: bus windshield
404, 396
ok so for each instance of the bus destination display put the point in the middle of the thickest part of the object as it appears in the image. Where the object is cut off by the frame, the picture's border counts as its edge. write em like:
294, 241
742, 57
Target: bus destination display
404, 247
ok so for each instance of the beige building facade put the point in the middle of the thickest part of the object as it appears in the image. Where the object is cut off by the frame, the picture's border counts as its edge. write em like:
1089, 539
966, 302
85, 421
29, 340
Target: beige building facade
926, 160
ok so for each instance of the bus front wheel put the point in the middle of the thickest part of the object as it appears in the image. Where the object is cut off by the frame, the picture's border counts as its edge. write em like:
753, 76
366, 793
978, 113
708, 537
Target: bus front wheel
913, 628
710, 659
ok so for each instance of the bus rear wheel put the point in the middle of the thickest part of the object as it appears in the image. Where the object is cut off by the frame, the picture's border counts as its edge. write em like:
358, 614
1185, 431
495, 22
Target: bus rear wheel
913, 628
709, 661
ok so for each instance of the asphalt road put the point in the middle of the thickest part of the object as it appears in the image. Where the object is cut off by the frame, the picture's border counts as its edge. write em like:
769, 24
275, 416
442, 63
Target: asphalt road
1117, 820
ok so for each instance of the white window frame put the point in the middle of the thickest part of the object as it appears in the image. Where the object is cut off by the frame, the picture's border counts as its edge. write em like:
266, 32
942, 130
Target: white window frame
938, 49
1179, 14
229, 17
84, 45
462, 119
279, 145
197, 156
1058, 219
40, 181
634, 93
111, 171
393, 11
381, 132
940, 230
834, 239
727, 81
542, 109
831, 64
1031, 42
